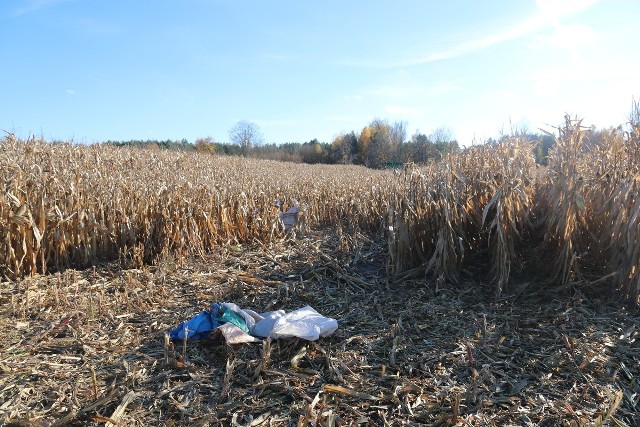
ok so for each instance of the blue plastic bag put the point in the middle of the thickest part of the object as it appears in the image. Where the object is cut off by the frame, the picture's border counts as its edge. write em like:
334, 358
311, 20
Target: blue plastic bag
200, 326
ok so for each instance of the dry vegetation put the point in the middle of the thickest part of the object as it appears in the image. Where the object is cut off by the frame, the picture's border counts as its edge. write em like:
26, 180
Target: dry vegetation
575, 220
65, 205
405, 262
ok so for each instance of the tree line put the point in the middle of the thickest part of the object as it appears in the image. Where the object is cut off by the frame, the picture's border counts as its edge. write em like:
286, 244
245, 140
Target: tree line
380, 144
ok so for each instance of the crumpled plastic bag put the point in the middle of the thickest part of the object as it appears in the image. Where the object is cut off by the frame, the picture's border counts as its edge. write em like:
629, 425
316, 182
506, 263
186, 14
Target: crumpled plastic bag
264, 326
199, 326
239, 317
234, 335
240, 325
305, 323
290, 217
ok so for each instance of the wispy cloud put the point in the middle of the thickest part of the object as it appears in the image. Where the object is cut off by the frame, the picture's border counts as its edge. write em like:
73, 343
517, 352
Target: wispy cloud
550, 14
555, 10
575, 41
570, 36
31, 6
470, 46
458, 49
70, 91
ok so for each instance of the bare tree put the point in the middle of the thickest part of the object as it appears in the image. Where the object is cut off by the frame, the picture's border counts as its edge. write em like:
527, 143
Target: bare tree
247, 135
441, 135
398, 133
443, 140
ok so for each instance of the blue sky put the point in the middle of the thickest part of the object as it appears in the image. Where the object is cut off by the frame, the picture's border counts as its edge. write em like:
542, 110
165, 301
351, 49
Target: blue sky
92, 70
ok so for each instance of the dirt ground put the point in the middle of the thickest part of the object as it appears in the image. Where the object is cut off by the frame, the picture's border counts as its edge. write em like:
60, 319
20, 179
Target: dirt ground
88, 347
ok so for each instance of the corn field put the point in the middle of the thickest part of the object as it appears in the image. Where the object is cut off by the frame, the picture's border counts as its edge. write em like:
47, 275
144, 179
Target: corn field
65, 205
574, 220
492, 207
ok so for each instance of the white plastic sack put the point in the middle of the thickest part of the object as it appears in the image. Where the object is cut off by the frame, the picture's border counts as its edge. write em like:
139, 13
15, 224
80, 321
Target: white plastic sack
290, 218
305, 323
264, 327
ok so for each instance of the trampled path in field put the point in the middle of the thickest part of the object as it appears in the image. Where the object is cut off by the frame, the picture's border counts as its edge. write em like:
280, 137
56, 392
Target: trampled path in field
88, 347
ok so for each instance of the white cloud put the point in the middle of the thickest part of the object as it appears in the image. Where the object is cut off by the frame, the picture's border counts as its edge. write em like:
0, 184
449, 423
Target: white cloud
571, 36
555, 10
522, 29
461, 48
70, 91
550, 13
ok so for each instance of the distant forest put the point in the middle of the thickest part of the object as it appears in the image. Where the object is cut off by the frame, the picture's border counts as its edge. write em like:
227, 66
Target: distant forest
379, 145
